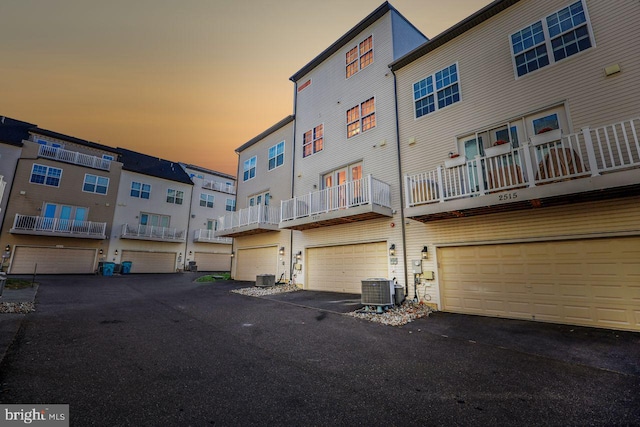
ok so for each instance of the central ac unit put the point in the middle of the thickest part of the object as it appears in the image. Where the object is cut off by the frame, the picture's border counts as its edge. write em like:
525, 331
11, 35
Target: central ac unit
377, 292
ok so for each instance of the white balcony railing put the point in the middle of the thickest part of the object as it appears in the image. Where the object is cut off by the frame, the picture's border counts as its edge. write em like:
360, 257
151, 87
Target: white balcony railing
204, 235
39, 224
152, 232
62, 155
360, 192
219, 186
253, 215
587, 153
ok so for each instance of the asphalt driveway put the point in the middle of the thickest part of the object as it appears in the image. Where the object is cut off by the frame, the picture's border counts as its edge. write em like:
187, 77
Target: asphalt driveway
162, 350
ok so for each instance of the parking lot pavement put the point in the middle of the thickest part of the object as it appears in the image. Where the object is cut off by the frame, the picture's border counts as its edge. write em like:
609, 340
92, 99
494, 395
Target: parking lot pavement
163, 350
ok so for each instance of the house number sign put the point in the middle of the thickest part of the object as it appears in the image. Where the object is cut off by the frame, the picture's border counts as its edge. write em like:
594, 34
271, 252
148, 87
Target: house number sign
507, 196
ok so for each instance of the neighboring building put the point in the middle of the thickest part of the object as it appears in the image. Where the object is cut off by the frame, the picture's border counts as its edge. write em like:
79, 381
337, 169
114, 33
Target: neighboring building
151, 218
61, 203
346, 195
214, 194
537, 218
12, 133
264, 180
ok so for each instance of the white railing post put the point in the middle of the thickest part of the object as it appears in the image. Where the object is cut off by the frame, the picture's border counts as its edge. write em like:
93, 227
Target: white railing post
480, 175
407, 194
441, 184
591, 152
370, 189
528, 163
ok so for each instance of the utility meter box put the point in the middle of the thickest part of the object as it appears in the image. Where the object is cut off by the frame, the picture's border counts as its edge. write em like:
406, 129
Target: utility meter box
417, 266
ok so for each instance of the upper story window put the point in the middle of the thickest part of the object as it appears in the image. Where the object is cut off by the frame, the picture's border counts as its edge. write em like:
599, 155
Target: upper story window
95, 184
249, 169
154, 220
140, 190
107, 157
259, 199
563, 33
313, 141
361, 118
436, 91
206, 200
175, 196
276, 155
359, 56
45, 175
231, 205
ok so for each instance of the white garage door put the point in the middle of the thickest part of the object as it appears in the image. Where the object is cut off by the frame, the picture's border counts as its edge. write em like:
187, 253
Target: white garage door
53, 260
342, 268
150, 262
592, 282
254, 261
212, 262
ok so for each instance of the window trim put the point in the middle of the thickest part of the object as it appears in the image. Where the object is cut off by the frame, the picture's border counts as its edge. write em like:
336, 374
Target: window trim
547, 42
246, 169
313, 141
204, 197
360, 119
275, 147
231, 205
46, 175
140, 190
175, 196
435, 91
358, 57
98, 177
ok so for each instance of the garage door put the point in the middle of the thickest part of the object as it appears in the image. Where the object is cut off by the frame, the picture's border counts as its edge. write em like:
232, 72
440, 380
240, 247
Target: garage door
252, 262
342, 268
213, 262
53, 260
593, 282
150, 262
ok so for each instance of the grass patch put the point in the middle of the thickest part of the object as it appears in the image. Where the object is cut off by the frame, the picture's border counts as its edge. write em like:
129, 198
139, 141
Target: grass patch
213, 277
17, 284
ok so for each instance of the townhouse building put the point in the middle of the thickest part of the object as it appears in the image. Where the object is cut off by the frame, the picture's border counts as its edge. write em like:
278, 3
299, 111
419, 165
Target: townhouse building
12, 133
60, 205
214, 194
346, 196
519, 144
264, 180
152, 215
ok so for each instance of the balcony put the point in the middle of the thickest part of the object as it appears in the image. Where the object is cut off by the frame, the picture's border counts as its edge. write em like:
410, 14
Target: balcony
358, 200
592, 164
152, 232
62, 155
247, 221
208, 236
219, 186
41, 226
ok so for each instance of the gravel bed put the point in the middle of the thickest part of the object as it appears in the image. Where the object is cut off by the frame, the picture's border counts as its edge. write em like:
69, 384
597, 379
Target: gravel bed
397, 315
17, 307
272, 290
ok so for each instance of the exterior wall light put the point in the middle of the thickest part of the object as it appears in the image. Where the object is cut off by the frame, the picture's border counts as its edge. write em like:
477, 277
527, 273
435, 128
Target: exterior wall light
233, 254
116, 253
7, 248
299, 255
100, 251
425, 252
392, 250
281, 251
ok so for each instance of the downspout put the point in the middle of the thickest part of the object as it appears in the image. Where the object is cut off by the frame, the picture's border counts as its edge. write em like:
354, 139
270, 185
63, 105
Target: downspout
404, 230
293, 174
234, 249
186, 240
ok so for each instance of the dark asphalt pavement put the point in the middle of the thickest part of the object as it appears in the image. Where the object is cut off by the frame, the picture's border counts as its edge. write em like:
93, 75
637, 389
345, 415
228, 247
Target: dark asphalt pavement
160, 350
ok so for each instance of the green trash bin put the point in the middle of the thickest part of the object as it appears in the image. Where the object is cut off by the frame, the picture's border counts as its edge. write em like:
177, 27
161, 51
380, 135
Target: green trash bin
126, 267
107, 268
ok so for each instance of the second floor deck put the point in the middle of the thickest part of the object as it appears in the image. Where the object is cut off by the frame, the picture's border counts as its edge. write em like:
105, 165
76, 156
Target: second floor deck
208, 236
247, 221
74, 157
152, 232
45, 226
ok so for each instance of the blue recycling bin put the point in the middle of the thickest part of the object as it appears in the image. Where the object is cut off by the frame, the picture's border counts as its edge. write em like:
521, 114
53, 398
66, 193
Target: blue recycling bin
126, 267
107, 268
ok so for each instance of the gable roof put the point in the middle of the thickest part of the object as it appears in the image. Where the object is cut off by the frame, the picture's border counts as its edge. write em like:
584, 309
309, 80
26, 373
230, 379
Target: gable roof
347, 37
266, 133
13, 131
458, 29
153, 166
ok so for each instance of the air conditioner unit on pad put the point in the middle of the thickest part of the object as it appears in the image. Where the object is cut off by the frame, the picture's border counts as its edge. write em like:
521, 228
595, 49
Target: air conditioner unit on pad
377, 291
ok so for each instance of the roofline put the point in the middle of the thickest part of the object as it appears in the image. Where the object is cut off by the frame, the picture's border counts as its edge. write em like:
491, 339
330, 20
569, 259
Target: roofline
45, 132
451, 33
338, 44
209, 171
266, 133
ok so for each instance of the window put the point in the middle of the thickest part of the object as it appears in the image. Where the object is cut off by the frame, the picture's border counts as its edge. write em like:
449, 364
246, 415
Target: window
95, 184
154, 220
175, 196
260, 199
206, 200
107, 157
231, 205
249, 168
429, 97
276, 155
361, 118
45, 175
140, 190
212, 224
568, 33
359, 56
313, 141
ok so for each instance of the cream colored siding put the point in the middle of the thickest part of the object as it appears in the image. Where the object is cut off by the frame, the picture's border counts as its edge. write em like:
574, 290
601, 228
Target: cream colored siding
594, 282
150, 262
213, 262
254, 261
491, 94
342, 268
30, 260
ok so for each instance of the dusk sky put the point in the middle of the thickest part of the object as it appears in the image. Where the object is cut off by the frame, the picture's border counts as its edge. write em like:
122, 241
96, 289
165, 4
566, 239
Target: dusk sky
187, 80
